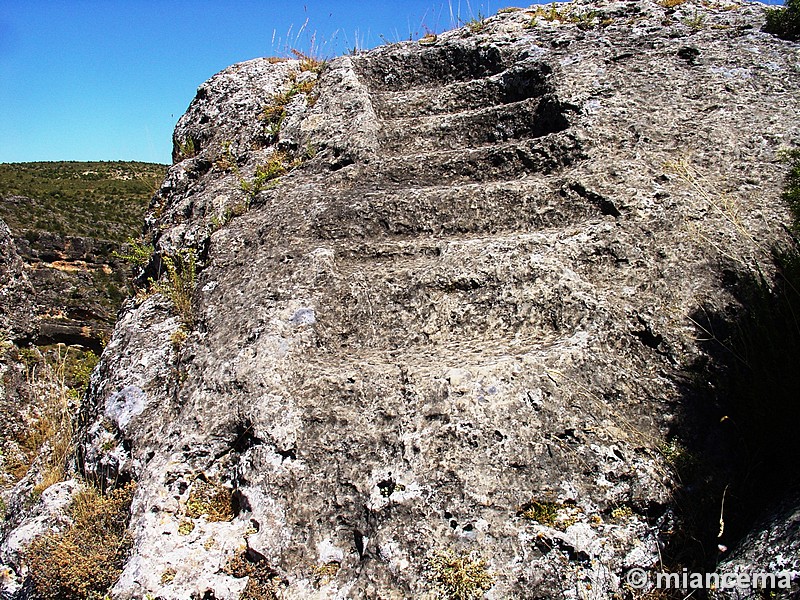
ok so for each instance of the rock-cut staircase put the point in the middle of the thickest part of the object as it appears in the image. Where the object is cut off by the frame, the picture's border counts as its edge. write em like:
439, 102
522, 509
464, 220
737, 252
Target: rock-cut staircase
471, 154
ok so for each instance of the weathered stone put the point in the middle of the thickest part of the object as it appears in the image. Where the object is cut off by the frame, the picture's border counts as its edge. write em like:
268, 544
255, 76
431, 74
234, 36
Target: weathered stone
474, 294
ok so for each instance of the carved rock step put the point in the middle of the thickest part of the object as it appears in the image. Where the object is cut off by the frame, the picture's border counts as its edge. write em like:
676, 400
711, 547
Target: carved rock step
525, 204
514, 85
459, 352
509, 288
408, 66
389, 294
490, 163
477, 127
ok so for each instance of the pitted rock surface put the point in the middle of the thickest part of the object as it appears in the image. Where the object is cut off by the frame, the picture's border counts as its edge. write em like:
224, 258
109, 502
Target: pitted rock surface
475, 295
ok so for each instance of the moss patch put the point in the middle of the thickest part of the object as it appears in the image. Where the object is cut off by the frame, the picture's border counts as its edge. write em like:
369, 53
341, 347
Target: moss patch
212, 500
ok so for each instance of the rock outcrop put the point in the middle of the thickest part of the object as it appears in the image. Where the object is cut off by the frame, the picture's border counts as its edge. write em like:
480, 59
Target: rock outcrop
16, 291
459, 321
76, 282
59, 289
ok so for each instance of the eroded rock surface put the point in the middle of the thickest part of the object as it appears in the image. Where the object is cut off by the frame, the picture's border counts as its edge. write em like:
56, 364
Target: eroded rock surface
470, 299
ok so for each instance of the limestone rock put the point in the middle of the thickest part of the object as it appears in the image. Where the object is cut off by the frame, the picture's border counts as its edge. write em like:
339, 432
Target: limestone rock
773, 547
468, 297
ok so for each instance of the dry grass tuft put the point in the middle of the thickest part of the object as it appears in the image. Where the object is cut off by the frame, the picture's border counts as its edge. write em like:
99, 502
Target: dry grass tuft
459, 576
56, 382
85, 559
309, 63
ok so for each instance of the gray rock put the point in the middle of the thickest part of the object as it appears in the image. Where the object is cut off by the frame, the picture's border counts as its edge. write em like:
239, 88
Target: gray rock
474, 297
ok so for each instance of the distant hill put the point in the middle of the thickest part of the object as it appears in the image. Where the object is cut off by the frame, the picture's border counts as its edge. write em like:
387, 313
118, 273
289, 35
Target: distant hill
101, 200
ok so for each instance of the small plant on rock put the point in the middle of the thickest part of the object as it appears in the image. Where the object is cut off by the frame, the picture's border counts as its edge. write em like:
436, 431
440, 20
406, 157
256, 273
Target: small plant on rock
428, 39
86, 558
185, 149
274, 113
308, 62
179, 286
135, 252
696, 21
477, 24
226, 161
459, 576
550, 15
585, 20
542, 512
213, 500
263, 583
278, 164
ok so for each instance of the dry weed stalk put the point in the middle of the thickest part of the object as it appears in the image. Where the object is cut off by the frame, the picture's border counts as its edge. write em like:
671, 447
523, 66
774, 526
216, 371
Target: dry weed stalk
49, 439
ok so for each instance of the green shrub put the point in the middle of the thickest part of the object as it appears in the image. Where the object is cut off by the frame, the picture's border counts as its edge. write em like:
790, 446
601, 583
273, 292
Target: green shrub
84, 560
134, 253
784, 22
185, 149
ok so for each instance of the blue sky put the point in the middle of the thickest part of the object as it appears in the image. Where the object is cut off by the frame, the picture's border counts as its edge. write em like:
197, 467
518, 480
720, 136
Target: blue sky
108, 79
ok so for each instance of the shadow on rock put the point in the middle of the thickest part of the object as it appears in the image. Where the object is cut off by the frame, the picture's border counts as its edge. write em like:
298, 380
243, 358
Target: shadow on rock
738, 459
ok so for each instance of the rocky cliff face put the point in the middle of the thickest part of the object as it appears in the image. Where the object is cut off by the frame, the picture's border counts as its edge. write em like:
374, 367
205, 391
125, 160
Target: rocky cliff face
76, 285
445, 307
58, 289
16, 291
